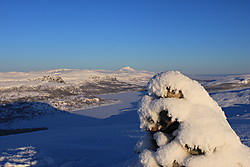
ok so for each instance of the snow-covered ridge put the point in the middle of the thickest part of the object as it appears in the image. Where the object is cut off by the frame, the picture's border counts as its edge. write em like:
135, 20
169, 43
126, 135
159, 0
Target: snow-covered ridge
76, 76
222, 83
71, 81
26, 111
64, 89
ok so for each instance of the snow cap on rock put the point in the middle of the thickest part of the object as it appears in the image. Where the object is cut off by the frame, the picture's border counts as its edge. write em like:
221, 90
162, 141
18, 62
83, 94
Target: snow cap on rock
176, 81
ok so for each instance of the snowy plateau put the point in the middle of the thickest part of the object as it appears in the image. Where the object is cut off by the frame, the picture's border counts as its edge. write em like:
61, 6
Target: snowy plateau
88, 118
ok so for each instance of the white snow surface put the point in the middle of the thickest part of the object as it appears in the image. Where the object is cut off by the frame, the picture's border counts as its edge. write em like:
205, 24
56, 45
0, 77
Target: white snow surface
106, 135
209, 80
203, 125
230, 98
72, 77
76, 140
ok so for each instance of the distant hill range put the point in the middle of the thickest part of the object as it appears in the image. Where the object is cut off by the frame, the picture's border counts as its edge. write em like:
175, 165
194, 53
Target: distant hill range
25, 95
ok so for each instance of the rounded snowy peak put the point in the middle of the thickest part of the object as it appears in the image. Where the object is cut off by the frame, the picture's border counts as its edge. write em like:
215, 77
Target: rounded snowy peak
126, 69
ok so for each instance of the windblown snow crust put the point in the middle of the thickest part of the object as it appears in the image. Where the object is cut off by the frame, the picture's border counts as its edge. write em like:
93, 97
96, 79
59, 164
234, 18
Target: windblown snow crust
186, 127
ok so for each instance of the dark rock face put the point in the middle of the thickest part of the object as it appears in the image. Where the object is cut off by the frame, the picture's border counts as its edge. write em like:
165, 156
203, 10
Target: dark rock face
56, 79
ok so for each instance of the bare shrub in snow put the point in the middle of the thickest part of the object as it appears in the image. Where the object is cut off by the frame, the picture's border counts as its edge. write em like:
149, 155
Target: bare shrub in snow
185, 127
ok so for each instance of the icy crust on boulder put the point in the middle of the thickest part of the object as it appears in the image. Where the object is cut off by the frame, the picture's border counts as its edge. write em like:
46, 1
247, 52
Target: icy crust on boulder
203, 126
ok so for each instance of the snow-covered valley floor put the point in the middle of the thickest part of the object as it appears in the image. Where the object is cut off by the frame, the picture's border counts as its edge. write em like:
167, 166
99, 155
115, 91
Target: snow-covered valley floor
99, 139
77, 140
105, 135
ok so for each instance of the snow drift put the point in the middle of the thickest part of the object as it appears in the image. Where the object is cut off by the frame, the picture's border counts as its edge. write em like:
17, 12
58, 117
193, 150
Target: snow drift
185, 127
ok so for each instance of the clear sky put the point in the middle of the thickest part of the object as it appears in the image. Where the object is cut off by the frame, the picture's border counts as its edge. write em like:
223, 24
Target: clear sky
201, 36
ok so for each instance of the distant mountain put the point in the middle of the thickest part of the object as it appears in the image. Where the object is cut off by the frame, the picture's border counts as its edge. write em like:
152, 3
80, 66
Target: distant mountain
71, 77
126, 69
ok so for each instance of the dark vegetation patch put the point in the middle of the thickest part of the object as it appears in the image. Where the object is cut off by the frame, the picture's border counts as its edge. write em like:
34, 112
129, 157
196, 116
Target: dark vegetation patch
4, 132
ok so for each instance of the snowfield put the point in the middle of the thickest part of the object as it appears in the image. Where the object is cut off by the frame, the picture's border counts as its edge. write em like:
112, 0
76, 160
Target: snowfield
94, 134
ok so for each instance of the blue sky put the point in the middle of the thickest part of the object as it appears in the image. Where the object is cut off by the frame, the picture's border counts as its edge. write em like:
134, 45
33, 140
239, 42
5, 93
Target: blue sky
195, 37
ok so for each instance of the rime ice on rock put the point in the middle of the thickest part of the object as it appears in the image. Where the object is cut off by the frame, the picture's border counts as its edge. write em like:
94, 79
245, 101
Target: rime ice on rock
185, 127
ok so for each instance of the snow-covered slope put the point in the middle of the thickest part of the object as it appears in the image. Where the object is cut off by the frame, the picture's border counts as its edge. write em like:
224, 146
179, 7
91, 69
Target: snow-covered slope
67, 89
76, 140
101, 136
74, 76
222, 83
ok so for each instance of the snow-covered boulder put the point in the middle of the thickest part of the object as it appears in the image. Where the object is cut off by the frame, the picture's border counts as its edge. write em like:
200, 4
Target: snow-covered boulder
185, 127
